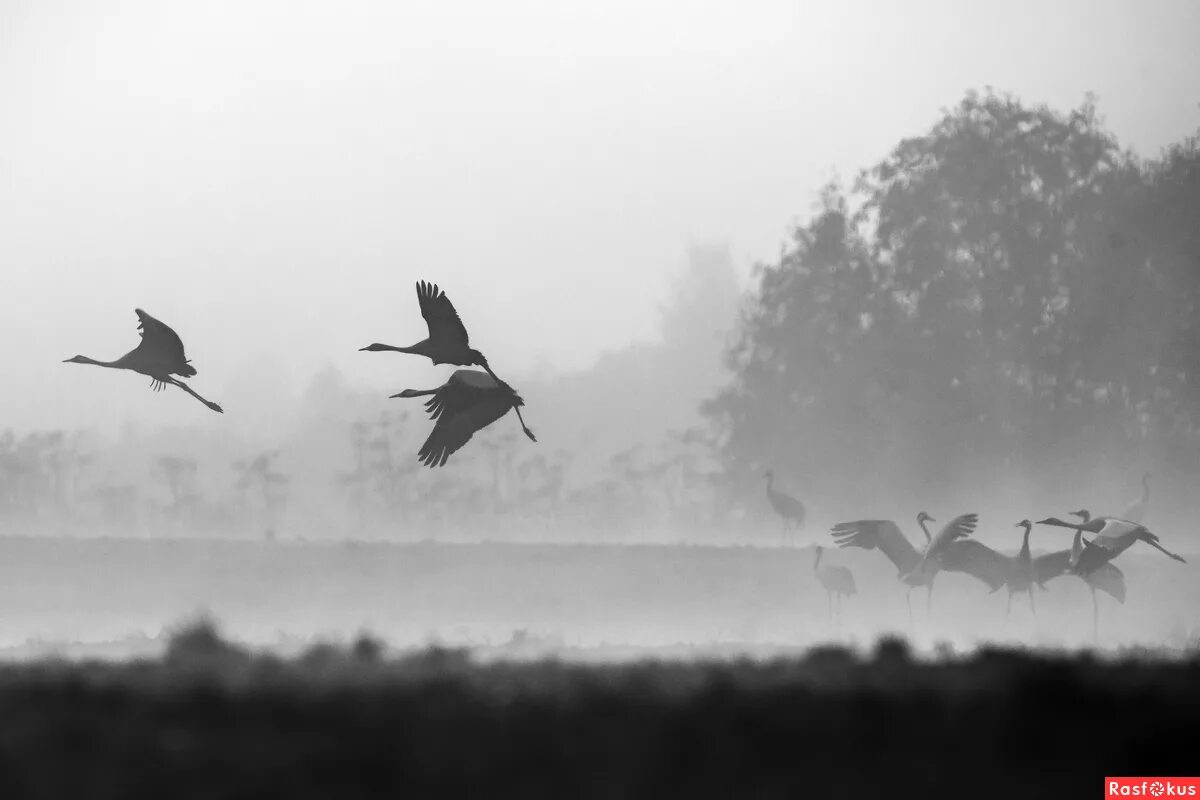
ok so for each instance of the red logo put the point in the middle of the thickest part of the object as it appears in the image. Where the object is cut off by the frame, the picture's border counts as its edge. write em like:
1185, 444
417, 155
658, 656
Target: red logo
1152, 788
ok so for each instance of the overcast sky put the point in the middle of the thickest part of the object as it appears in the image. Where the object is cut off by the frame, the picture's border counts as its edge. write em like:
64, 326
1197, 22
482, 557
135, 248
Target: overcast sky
271, 178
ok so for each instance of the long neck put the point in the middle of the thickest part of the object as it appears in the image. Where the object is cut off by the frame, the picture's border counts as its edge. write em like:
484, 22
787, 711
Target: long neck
924, 530
394, 349
1024, 554
94, 362
817, 560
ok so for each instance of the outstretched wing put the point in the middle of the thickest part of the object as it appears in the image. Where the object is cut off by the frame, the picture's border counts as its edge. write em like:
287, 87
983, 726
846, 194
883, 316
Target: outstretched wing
954, 530
440, 316
1115, 533
461, 407
976, 559
1109, 579
881, 534
162, 346
1051, 565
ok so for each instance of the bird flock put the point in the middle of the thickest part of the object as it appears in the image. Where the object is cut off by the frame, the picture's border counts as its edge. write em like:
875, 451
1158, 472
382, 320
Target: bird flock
952, 549
471, 399
466, 403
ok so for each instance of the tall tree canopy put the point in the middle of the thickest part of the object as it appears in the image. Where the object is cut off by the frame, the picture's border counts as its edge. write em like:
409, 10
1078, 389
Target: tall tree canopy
1010, 292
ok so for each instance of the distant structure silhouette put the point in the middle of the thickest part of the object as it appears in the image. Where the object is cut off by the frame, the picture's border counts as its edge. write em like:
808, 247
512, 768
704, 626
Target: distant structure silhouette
837, 581
158, 356
447, 342
1137, 510
790, 510
468, 402
950, 550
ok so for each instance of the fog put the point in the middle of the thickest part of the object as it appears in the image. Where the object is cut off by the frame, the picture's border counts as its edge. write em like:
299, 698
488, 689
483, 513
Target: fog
679, 236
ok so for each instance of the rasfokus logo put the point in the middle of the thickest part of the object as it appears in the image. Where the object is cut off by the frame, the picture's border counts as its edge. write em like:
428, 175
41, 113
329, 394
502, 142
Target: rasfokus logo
1151, 787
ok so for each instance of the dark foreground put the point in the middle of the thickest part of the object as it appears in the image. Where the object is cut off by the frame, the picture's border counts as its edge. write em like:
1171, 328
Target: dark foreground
209, 720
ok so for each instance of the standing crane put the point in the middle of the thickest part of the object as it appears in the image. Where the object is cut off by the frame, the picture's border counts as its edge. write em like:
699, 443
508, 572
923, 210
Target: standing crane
467, 402
1106, 576
1137, 510
158, 356
837, 581
950, 550
447, 342
789, 509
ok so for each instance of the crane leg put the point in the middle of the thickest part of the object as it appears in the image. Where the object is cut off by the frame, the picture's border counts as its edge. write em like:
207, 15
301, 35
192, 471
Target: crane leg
908, 602
1008, 608
1095, 618
829, 600
929, 601
524, 427
188, 389
1032, 603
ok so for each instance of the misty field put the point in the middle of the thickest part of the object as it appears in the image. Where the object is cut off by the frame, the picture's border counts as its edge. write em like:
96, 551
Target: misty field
88, 596
211, 719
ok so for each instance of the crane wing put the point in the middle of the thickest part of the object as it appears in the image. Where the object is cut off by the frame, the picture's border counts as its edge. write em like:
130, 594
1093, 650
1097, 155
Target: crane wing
161, 344
440, 316
1051, 565
1109, 579
976, 559
1111, 536
954, 530
460, 409
878, 534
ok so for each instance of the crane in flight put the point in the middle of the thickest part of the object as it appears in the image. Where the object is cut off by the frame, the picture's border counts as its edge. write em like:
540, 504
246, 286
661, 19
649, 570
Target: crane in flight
950, 550
158, 356
467, 402
1111, 537
447, 342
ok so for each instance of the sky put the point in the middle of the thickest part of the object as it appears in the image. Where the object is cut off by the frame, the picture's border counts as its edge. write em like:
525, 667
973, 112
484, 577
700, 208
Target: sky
271, 178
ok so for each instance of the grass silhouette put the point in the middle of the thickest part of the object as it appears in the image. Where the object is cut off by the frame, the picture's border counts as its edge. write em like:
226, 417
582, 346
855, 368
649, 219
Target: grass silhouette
213, 719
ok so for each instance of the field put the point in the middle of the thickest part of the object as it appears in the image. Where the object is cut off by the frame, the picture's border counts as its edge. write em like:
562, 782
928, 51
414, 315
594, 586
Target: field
568, 671
78, 595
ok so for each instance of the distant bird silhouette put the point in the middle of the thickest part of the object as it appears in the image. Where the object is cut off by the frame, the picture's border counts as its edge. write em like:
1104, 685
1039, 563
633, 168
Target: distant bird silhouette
468, 402
158, 356
1137, 510
447, 342
950, 551
790, 510
837, 581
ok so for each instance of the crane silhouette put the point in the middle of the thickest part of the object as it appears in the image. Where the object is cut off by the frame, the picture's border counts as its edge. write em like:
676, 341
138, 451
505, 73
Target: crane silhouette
447, 342
837, 581
1104, 575
950, 550
790, 510
1016, 573
1112, 536
159, 356
467, 402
